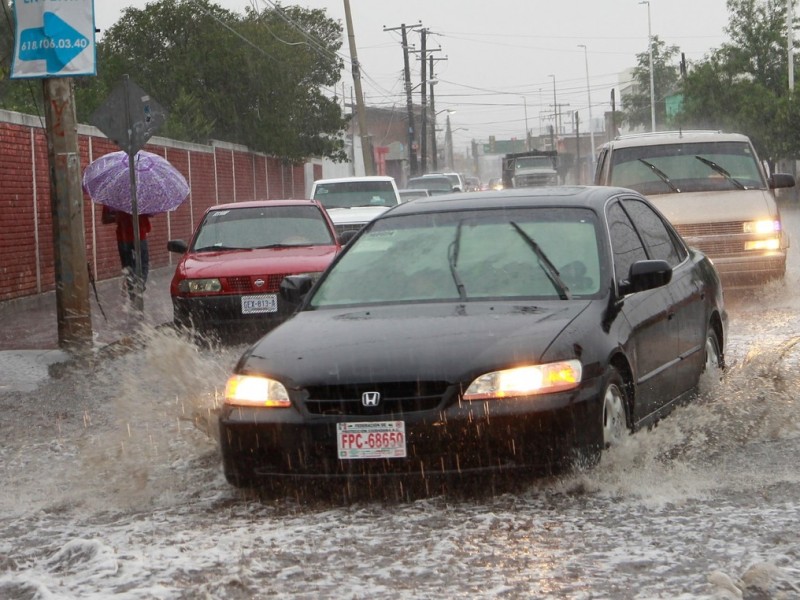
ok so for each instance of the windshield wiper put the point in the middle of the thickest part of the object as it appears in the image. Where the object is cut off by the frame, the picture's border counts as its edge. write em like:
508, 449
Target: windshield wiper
661, 175
452, 257
721, 171
549, 268
217, 247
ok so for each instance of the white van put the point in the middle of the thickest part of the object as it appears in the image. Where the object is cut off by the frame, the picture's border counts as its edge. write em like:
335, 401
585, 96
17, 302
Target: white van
714, 190
353, 202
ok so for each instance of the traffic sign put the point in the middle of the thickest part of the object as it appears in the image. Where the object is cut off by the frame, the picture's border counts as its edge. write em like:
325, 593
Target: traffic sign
54, 39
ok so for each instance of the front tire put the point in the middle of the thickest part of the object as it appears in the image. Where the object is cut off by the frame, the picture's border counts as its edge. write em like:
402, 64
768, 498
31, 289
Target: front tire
608, 420
714, 364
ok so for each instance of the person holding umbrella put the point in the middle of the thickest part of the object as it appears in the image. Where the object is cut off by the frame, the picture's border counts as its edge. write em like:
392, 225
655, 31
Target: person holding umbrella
142, 185
127, 247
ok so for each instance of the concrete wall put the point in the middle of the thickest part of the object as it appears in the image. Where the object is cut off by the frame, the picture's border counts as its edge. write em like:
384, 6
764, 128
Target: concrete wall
217, 173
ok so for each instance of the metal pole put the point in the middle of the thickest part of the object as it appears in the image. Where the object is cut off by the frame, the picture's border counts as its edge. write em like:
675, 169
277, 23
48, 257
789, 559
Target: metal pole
589, 96
652, 81
138, 296
555, 106
790, 41
527, 131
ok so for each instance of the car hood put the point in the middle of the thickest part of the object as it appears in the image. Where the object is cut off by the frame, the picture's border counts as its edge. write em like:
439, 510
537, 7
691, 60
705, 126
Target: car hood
705, 207
231, 263
358, 214
449, 342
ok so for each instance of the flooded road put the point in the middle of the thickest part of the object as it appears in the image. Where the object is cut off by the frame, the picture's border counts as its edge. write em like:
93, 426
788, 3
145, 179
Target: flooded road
112, 486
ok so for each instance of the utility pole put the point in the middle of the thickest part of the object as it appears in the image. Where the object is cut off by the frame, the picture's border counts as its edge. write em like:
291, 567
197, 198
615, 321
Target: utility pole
412, 151
652, 80
66, 201
366, 146
423, 35
578, 170
434, 149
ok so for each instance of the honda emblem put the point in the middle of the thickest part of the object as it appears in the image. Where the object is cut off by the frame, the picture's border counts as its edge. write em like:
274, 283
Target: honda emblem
370, 398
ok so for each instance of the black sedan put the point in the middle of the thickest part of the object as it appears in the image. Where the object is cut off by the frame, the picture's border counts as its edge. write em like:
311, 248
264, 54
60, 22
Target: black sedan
478, 332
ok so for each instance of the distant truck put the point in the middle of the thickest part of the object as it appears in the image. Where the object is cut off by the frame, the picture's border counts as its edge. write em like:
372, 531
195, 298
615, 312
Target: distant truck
530, 169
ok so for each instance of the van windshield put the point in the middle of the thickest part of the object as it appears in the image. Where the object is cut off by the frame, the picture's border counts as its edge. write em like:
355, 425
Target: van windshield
688, 167
350, 194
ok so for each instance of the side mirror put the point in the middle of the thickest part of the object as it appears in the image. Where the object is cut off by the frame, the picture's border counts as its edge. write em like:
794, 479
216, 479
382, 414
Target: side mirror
293, 288
177, 246
646, 275
781, 180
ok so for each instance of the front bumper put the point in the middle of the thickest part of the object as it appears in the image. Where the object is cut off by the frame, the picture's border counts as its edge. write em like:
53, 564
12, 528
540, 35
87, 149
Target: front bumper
464, 438
224, 312
750, 270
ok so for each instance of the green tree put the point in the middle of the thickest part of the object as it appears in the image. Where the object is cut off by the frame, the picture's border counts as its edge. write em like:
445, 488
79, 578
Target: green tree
636, 105
743, 85
255, 79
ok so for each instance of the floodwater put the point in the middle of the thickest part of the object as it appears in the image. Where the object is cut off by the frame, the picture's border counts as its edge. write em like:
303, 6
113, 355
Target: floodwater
112, 487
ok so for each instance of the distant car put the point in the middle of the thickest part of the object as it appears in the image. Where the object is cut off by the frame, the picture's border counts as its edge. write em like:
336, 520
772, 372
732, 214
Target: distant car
456, 179
352, 202
714, 190
429, 349
410, 194
495, 183
435, 184
472, 184
228, 276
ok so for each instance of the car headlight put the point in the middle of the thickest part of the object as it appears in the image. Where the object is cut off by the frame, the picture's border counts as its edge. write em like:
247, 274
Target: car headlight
250, 390
526, 381
770, 244
200, 286
762, 227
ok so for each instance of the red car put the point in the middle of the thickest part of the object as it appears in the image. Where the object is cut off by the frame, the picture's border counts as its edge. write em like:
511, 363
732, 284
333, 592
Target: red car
228, 277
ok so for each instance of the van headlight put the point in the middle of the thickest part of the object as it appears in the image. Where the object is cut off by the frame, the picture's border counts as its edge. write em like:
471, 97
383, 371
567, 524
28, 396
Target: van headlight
762, 227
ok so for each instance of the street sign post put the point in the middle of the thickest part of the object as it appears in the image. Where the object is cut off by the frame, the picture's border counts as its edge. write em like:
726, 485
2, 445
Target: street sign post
54, 39
129, 117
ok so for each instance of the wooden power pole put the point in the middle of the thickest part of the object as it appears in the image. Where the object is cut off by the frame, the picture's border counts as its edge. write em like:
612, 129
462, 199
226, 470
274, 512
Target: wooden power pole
66, 201
366, 146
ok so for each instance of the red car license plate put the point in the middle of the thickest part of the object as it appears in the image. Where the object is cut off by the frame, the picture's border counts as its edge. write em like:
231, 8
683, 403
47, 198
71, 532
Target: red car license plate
259, 303
374, 439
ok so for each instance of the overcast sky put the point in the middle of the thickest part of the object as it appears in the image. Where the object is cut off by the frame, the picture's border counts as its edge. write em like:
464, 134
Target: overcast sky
503, 57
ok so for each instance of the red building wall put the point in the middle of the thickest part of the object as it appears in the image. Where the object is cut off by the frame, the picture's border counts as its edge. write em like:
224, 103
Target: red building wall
216, 174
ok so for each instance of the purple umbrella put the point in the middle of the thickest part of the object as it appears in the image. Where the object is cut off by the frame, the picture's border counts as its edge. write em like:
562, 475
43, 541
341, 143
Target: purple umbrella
159, 186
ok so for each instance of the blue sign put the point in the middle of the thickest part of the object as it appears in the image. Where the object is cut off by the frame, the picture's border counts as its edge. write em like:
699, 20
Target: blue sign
54, 39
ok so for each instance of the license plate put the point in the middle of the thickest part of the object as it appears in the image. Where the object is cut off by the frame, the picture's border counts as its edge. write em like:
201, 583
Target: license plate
260, 303
375, 439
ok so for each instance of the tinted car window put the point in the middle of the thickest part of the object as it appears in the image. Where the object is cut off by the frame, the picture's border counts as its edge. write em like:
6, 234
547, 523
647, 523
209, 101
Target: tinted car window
348, 194
656, 236
262, 226
689, 167
626, 245
425, 257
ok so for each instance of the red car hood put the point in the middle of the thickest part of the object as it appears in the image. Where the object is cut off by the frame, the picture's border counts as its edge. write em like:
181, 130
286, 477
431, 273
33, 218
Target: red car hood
232, 263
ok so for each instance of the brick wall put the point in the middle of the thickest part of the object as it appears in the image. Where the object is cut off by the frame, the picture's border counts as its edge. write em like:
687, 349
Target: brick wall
216, 173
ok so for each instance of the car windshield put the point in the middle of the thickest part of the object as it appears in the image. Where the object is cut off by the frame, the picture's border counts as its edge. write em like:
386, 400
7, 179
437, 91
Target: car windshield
689, 167
262, 227
455, 256
433, 184
533, 162
350, 194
